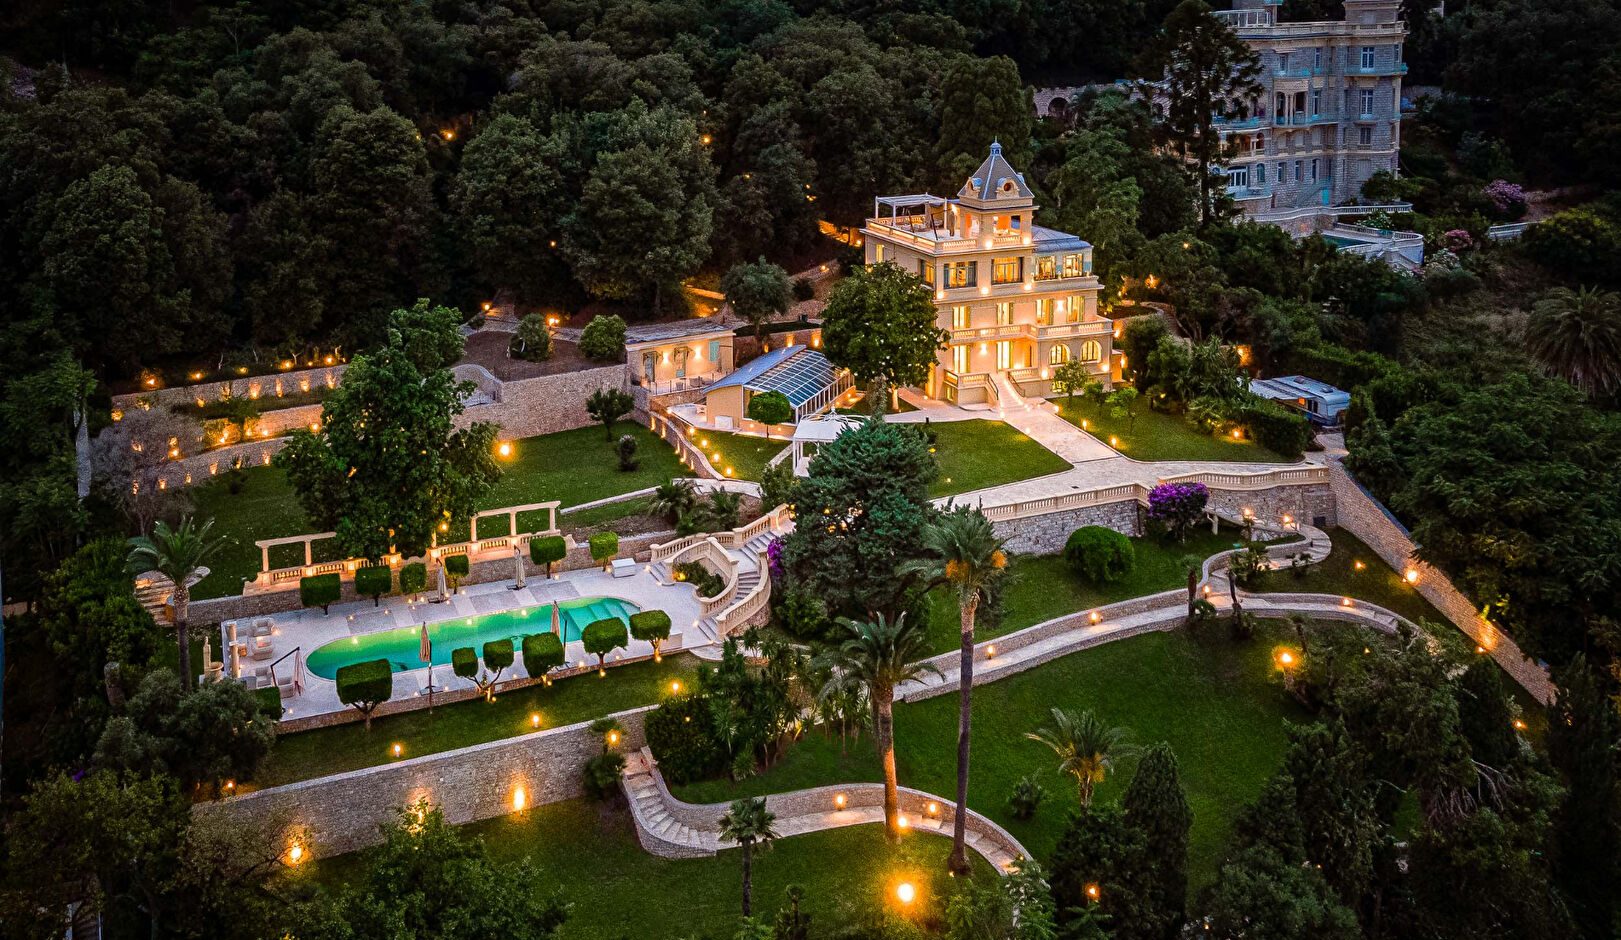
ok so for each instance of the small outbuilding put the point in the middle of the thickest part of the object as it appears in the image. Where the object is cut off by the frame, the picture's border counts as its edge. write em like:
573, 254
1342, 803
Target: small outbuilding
1322, 403
800, 373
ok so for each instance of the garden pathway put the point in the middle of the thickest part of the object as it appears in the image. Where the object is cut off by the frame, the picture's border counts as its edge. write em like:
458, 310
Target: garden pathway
670, 828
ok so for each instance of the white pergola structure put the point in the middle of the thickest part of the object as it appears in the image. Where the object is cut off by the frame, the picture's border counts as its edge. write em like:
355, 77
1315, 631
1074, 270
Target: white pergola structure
918, 212
816, 431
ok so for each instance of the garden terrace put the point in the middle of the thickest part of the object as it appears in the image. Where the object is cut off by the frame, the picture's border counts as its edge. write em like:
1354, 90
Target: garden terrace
1154, 435
571, 467
746, 455
974, 455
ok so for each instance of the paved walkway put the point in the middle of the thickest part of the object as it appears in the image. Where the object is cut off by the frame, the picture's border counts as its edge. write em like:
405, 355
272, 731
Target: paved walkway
670, 828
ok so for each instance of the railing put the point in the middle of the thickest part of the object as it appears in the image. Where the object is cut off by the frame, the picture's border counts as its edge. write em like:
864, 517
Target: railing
1245, 19
709, 549
735, 616
1077, 328
939, 240
1508, 231
269, 576
825, 398
691, 457
1291, 476
774, 521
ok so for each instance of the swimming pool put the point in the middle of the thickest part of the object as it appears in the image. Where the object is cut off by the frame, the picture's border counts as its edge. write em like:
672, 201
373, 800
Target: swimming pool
400, 647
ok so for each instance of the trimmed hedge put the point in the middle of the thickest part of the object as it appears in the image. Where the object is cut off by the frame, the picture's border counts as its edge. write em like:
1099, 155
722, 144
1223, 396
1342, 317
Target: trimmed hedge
464, 662
374, 581
320, 590
604, 546
651, 626
456, 568
681, 734
548, 550
602, 637
269, 700
414, 578
365, 685
498, 655
542, 652
1099, 554
1275, 427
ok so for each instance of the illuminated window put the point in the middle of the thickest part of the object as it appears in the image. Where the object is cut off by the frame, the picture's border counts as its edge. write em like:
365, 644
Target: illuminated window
1044, 310
1074, 308
961, 318
1091, 351
962, 273
1074, 266
1007, 270
959, 359
1046, 267
1004, 314
1004, 355
1058, 355
925, 270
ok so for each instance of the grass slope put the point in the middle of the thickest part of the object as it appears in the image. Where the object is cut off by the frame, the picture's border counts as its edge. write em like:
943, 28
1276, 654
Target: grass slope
745, 454
343, 748
979, 453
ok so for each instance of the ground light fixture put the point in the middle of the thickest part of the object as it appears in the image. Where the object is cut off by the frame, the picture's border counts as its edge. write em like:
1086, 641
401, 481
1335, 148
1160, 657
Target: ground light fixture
397, 749
906, 892
534, 720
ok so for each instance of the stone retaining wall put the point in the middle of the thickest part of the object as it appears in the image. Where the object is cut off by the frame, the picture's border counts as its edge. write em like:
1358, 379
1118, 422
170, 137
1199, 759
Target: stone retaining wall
544, 404
263, 386
1046, 535
1365, 518
333, 815
1312, 503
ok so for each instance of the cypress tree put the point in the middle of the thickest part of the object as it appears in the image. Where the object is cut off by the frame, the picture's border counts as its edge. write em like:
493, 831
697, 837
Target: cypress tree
1484, 716
1582, 744
1156, 805
1334, 805
1095, 877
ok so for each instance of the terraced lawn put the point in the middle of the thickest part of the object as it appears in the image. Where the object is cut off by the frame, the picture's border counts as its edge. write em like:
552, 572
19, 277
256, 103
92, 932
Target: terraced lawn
573, 467
1152, 435
976, 454
746, 455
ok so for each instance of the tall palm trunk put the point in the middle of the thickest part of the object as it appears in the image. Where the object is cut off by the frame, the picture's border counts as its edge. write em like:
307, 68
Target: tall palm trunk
957, 863
883, 704
748, 875
182, 613
1193, 589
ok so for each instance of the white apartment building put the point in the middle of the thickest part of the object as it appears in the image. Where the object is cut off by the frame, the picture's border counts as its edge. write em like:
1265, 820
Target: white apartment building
1018, 299
1330, 115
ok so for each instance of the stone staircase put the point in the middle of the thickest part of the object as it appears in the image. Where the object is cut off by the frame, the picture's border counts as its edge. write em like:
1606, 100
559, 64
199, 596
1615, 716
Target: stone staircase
658, 832
153, 591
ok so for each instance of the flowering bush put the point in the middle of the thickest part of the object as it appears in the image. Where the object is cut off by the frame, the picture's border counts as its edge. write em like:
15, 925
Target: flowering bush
773, 557
1457, 239
1507, 199
1177, 506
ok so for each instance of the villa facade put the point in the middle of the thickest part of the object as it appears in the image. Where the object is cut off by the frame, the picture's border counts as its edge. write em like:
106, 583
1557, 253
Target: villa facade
1017, 299
1329, 116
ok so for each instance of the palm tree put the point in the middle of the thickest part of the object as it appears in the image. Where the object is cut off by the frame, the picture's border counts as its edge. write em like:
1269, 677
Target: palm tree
1576, 335
879, 656
178, 554
965, 554
673, 500
1086, 747
746, 823
1194, 566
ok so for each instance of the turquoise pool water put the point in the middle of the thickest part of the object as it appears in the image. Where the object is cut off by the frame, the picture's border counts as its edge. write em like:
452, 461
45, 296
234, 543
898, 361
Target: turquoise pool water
1340, 241
400, 647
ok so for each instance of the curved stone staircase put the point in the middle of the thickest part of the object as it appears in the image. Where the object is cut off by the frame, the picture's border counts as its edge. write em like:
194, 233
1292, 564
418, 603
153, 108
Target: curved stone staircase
670, 828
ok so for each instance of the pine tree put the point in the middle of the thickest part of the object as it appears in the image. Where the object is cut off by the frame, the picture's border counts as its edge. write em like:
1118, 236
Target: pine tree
1156, 805
1582, 743
1334, 805
1096, 875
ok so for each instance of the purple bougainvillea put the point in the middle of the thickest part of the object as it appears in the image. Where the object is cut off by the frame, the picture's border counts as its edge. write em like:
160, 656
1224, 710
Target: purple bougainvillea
1457, 240
1177, 506
773, 557
1507, 198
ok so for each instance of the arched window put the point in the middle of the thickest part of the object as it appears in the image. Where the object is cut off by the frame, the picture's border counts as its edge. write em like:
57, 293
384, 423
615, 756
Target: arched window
1058, 355
1091, 351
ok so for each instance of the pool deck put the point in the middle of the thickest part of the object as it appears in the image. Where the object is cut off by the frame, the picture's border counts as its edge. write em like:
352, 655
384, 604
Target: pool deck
307, 630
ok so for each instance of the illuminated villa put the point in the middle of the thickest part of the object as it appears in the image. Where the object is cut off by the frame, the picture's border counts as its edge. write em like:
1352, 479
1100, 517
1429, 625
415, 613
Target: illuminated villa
1017, 298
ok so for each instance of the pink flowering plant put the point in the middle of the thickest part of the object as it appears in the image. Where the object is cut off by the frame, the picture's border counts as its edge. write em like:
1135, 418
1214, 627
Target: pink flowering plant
1457, 240
1507, 199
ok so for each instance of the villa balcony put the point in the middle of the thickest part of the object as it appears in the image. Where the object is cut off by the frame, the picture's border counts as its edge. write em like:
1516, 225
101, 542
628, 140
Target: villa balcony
1231, 124
1033, 331
1011, 290
1080, 328
939, 241
1391, 68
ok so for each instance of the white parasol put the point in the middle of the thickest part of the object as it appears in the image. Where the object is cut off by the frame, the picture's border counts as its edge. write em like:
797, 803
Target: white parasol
517, 563
444, 588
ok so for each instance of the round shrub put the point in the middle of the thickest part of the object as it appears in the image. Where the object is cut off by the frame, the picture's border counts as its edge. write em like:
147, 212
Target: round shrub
374, 581
320, 590
681, 734
1099, 554
542, 652
414, 578
464, 662
456, 568
650, 626
532, 341
601, 637
548, 550
603, 338
771, 408
804, 289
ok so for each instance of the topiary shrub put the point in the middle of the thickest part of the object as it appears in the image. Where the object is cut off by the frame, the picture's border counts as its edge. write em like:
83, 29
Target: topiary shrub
603, 338
533, 341
1099, 554
548, 550
1275, 427
320, 590
456, 568
414, 578
497, 659
269, 699
464, 663
804, 289
602, 637
542, 652
681, 734
374, 581
364, 686
651, 626
604, 546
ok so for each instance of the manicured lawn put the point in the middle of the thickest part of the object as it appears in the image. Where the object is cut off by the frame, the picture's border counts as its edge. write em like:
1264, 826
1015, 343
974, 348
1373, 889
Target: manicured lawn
589, 856
746, 455
975, 454
1041, 587
573, 467
1216, 702
343, 748
1156, 436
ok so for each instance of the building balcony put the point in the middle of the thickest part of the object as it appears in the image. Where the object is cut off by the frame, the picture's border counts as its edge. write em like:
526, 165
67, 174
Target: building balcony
1303, 119
1008, 291
1033, 331
1235, 124
1391, 68
990, 333
1079, 328
939, 241
1298, 71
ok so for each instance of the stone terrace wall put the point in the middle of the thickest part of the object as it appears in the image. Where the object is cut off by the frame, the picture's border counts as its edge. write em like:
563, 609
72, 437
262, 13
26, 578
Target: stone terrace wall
263, 386
341, 813
544, 404
1045, 535
1365, 518
1312, 503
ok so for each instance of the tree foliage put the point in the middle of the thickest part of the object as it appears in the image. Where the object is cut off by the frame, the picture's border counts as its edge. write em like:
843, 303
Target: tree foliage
880, 324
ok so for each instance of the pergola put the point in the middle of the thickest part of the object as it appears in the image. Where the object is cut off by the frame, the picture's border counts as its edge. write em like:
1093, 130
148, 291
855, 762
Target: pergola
817, 431
919, 211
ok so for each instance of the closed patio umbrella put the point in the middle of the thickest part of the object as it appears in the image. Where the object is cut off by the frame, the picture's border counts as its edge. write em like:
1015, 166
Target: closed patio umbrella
444, 588
517, 563
425, 654
557, 618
